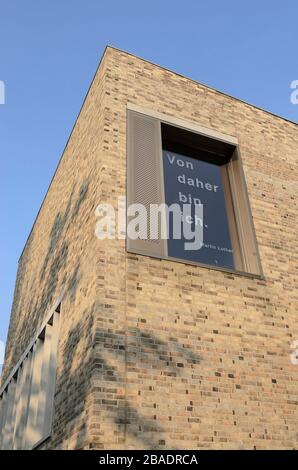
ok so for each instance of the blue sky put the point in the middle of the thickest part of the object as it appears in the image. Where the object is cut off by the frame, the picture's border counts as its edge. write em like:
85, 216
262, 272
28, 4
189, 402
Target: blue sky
49, 51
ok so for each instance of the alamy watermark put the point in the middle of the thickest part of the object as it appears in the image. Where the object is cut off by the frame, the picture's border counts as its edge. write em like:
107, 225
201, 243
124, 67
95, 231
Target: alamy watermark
294, 94
152, 222
2, 350
2, 92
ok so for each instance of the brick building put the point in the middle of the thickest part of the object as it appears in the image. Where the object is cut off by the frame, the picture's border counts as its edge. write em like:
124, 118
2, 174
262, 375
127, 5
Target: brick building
129, 345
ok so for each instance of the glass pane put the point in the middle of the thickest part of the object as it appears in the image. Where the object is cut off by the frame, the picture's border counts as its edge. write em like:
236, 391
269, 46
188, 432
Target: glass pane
192, 181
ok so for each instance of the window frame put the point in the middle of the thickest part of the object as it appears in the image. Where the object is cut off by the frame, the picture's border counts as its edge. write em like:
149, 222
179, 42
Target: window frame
239, 212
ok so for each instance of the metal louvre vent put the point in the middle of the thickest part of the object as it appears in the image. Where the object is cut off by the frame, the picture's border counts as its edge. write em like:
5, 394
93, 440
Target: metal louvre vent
146, 168
144, 175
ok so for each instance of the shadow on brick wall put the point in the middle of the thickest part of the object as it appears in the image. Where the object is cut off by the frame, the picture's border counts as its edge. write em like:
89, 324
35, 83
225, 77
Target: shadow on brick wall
73, 385
52, 274
56, 257
145, 350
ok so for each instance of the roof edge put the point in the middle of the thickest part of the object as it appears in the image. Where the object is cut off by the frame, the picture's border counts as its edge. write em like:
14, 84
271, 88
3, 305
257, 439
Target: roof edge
202, 84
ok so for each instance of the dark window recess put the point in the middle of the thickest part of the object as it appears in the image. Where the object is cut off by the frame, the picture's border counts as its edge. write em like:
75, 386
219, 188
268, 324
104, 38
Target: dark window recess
182, 141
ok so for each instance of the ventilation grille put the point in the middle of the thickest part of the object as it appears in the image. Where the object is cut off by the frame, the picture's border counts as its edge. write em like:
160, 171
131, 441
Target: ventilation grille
144, 184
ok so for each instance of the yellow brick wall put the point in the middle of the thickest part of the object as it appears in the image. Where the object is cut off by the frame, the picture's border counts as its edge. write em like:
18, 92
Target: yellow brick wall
157, 354
59, 255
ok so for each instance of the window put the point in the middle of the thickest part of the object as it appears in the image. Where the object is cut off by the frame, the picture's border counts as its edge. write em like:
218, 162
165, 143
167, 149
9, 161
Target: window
173, 162
27, 397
